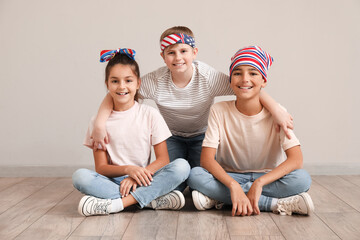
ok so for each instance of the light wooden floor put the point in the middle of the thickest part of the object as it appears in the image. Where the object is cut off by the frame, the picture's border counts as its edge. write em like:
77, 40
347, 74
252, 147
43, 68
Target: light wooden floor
46, 208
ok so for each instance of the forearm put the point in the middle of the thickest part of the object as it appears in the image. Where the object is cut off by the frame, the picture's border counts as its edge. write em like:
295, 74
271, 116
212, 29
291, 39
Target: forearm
157, 164
209, 163
268, 102
162, 157
112, 171
104, 111
294, 161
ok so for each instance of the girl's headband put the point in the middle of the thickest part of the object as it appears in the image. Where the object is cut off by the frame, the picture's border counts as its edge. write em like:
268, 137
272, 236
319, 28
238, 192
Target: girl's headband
177, 38
106, 55
253, 56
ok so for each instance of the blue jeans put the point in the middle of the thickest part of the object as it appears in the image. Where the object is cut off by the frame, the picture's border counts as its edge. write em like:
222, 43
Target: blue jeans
164, 181
296, 182
188, 148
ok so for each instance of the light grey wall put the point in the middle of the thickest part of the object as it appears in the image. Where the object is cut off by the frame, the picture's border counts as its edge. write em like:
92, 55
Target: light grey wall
52, 81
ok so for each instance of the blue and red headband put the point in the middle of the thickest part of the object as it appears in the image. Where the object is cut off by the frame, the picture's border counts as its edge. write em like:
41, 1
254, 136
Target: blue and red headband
253, 56
177, 38
106, 55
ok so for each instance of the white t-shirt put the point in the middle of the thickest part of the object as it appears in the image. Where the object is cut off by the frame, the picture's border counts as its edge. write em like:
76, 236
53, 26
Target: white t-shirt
246, 143
131, 135
186, 110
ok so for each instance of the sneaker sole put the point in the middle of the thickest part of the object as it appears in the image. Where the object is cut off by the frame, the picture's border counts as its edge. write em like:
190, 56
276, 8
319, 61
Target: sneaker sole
309, 202
195, 196
82, 204
181, 198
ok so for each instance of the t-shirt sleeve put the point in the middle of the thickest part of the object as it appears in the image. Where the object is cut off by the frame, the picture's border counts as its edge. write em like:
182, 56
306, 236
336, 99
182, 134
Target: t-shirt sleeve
88, 142
219, 83
159, 129
212, 135
288, 143
148, 85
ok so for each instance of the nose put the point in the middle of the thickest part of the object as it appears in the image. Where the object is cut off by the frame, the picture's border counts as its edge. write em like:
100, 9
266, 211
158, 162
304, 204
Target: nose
245, 77
122, 84
177, 56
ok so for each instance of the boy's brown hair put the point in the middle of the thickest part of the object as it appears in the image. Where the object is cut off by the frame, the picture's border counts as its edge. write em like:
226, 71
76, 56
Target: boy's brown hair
176, 30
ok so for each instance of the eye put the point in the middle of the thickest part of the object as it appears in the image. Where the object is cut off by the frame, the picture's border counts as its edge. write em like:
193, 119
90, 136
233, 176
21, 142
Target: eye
114, 81
169, 53
129, 80
184, 51
236, 74
254, 73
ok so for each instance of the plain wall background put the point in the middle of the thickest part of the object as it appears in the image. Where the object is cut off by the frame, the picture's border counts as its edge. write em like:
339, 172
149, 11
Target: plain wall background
52, 81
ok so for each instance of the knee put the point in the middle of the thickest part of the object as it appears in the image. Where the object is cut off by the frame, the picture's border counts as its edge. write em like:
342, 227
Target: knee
196, 176
80, 178
303, 179
181, 168
296, 182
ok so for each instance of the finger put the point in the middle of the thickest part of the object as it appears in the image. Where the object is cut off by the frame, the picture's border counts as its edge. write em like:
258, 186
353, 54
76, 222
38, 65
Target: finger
142, 180
244, 210
277, 128
146, 178
149, 174
128, 188
134, 187
102, 143
287, 132
137, 180
106, 138
95, 144
256, 209
233, 211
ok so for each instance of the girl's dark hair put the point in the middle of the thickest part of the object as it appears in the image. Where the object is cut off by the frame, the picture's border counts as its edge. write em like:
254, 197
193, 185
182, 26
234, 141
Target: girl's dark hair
123, 59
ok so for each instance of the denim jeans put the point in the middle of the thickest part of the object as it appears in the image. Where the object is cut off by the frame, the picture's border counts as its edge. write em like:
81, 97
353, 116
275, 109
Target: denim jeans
188, 148
296, 182
164, 181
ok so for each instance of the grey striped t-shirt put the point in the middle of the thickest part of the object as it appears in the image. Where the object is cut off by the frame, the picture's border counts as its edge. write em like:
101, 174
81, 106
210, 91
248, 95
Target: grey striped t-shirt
185, 110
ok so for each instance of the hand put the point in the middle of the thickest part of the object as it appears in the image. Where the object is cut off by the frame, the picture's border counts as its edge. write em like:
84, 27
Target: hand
142, 176
126, 185
100, 138
254, 196
282, 119
240, 203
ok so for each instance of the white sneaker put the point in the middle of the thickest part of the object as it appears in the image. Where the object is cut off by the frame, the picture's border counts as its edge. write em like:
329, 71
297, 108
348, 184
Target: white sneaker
201, 201
173, 200
300, 204
90, 205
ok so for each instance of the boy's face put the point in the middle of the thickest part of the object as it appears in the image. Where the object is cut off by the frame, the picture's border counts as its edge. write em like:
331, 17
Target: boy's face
179, 57
246, 82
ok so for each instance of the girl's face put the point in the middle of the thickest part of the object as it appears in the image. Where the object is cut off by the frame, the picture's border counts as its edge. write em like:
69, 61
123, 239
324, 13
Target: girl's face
122, 85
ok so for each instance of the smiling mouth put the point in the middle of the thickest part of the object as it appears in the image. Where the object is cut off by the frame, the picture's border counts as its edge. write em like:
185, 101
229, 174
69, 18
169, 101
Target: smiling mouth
245, 87
178, 64
122, 94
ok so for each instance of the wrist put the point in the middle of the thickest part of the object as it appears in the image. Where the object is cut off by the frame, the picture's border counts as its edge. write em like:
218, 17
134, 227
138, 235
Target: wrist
259, 182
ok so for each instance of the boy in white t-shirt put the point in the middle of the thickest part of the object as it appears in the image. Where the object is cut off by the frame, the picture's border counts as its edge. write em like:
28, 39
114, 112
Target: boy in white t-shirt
250, 171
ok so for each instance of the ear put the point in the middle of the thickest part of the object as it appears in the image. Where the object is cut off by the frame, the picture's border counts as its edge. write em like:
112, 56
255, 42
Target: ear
195, 51
264, 83
139, 83
162, 55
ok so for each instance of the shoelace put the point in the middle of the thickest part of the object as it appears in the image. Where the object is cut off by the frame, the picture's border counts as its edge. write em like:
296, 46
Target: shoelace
101, 207
162, 202
286, 207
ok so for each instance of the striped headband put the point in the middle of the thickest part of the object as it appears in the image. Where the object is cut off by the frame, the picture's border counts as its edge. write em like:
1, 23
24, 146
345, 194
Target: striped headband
177, 38
106, 55
253, 56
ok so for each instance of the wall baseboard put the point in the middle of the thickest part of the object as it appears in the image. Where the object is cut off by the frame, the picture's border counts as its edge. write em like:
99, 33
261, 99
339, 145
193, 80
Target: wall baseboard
67, 171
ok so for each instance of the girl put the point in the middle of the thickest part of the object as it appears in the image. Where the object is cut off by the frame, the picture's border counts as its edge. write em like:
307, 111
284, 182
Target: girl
124, 175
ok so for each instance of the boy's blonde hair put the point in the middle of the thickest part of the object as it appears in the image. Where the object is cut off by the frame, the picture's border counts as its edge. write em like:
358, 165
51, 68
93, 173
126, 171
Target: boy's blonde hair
176, 30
